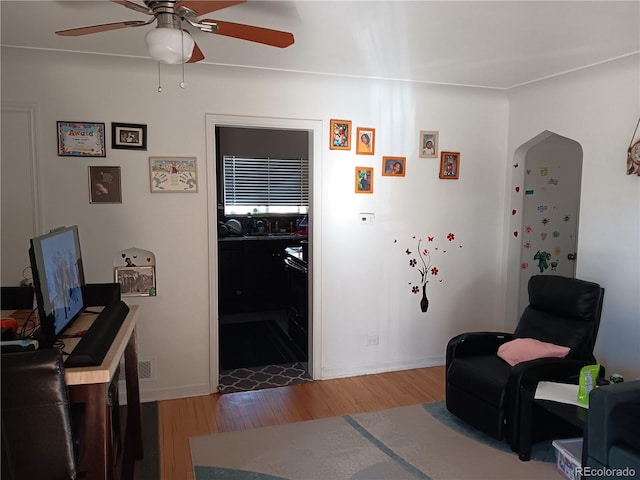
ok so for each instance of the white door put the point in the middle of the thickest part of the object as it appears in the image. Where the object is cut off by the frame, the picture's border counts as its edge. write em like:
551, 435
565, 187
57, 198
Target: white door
551, 207
19, 202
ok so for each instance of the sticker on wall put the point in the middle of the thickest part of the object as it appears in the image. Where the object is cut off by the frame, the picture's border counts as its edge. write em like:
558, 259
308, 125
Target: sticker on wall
543, 260
542, 208
555, 234
543, 236
553, 181
529, 192
427, 250
544, 171
527, 245
545, 221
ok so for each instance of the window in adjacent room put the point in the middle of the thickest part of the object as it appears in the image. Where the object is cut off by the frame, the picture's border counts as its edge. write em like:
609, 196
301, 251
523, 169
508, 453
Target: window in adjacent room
265, 185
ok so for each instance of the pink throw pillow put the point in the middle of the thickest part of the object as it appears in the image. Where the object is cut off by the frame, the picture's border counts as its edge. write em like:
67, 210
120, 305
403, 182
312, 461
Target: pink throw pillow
524, 349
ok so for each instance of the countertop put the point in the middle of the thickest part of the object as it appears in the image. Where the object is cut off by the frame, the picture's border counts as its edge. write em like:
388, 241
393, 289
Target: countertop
262, 237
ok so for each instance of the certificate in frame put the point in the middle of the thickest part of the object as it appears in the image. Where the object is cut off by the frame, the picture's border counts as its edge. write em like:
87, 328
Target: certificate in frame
81, 139
173, 174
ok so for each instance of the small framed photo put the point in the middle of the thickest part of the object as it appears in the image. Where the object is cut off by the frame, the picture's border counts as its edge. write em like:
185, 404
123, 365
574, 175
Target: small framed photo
394, 166
340, 131
366, 141
428, 144
449, 165
136, 281
173, 174
81, 139
364, 180
105, 185
128, 136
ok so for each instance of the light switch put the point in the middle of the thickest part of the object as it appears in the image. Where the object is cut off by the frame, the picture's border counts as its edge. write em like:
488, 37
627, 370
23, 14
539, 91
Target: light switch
367, 218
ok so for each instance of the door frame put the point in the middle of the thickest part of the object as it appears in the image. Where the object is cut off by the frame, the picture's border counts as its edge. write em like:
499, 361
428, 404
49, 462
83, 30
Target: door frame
315, 129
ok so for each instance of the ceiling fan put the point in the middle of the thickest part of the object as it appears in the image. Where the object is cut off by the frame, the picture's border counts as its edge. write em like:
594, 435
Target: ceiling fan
168, 42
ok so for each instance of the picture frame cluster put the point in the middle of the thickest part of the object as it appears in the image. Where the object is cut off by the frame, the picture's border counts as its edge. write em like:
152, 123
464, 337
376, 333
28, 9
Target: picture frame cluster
88, 140
340, 131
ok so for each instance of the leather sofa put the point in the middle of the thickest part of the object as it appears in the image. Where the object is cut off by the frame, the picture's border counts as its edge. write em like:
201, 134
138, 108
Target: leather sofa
37, 434
613, 432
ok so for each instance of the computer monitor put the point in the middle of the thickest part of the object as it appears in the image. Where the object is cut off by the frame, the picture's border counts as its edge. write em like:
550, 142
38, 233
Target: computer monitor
58, 280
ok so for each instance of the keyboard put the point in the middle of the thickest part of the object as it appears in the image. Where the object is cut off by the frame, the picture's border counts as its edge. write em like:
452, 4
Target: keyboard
95, 343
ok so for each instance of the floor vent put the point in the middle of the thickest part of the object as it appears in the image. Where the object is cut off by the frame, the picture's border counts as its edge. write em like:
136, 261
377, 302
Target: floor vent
145, 370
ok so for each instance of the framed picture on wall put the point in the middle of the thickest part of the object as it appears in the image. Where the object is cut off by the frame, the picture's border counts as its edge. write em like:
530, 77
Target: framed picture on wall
81, 139
104, 185
366, 138
428, 144
340, 133
394, 166
128, 136
449, 165
173, 174
136, 281
364, 180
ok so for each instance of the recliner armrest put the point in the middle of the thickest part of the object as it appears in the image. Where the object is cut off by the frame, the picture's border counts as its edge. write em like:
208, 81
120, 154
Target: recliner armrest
475, 343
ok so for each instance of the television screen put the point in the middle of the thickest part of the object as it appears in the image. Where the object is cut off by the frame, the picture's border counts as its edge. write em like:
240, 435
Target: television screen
58, 278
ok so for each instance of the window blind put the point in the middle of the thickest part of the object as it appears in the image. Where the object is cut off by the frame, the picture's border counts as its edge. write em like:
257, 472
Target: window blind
269, 185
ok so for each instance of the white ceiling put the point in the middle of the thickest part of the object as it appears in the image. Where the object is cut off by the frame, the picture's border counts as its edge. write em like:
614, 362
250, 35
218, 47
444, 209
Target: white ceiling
495, 44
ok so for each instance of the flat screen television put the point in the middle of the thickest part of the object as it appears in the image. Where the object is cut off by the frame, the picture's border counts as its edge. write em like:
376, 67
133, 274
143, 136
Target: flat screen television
58, 280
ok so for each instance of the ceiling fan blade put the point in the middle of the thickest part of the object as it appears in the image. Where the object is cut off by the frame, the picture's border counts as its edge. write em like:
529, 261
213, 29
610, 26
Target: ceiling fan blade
75, 32
197, 54
207, 6
266, 36
133, 6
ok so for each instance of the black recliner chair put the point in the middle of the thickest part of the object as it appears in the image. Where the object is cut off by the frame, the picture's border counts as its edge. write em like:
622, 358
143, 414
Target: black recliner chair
484, 390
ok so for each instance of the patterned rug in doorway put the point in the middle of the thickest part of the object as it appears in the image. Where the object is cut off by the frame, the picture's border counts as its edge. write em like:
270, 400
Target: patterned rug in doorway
258, 378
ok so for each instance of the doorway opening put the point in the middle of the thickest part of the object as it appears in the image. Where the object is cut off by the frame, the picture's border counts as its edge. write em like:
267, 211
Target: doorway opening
550, 209
264, 222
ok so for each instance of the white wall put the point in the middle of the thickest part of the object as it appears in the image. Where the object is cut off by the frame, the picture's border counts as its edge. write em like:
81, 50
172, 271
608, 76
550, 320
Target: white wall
363, 270
598, 108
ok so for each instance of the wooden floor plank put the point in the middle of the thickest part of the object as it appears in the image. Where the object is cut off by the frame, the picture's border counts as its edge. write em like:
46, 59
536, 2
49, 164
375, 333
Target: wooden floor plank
188, 417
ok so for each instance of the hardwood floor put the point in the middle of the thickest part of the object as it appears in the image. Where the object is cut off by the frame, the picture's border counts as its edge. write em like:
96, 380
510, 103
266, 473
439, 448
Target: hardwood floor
189, 417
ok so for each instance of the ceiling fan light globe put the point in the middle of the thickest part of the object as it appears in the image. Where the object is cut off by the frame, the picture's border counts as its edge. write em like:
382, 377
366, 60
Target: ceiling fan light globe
169, 45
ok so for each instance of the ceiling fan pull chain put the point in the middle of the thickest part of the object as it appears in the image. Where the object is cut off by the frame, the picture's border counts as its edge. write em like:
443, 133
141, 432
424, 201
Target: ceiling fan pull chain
159, 83
183, 84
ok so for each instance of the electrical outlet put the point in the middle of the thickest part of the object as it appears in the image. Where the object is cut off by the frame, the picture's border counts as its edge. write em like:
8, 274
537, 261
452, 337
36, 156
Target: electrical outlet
372, 340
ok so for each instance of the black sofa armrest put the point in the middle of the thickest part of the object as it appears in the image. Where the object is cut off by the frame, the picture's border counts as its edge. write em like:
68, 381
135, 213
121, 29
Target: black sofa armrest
475, 343
601, 433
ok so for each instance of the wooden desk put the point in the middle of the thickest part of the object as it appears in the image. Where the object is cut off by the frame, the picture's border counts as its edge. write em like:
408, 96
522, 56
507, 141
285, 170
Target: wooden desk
90, 386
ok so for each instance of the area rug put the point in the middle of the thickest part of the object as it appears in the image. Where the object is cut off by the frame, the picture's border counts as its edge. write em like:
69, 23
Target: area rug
259, 378
254, 344
414, 442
